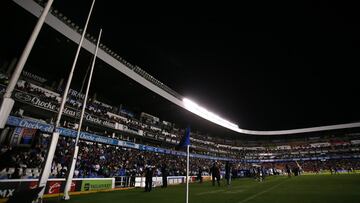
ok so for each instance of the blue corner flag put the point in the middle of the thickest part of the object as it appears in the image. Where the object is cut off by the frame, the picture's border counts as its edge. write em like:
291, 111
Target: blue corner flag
185, 140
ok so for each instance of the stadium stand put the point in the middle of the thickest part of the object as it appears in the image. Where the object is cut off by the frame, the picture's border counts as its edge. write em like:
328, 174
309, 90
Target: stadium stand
23, 159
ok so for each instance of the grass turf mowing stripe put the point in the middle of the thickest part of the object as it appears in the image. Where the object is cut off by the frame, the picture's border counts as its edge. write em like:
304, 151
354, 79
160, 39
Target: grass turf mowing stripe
262, 192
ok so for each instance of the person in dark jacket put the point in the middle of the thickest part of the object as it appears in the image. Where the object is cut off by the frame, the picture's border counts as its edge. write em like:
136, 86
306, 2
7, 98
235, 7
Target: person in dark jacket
132, 177
199, 175
148, 177
164, 174
227, 172
288, 170
215, 173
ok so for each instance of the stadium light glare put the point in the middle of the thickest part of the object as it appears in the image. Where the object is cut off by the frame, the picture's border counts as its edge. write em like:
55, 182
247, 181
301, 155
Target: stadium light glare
208, 115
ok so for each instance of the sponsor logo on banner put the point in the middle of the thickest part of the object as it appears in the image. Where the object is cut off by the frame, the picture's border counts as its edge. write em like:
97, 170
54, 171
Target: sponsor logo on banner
91, 118
8, 189
129, 144
76, 94
22, 96
33, 76
7, 193
88, 185
33, 100
53, 187
15, 121
71, 112
53, 106
33, 185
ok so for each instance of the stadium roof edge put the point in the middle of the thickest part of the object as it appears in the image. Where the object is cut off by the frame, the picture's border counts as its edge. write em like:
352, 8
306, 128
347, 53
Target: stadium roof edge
156, 86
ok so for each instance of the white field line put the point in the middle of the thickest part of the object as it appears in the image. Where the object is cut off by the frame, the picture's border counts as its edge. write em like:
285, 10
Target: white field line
260, 193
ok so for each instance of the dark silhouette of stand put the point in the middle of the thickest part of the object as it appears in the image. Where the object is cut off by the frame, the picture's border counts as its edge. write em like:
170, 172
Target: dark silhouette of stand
25, 196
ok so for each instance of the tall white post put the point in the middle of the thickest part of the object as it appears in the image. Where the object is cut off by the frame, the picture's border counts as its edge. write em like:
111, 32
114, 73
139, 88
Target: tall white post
187, 172
55, 136
73, 163
7, 102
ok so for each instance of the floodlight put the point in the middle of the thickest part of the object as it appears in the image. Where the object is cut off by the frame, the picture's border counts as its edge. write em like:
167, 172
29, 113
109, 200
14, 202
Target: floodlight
208, 115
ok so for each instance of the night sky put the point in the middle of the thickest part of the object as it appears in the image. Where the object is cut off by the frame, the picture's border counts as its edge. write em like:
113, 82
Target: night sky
262, 66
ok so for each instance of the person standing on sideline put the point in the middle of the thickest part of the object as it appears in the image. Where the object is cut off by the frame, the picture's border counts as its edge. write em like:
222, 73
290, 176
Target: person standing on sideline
148, 177
132, 177
164, 175
215, 173
200, 174
288, 171
227, 172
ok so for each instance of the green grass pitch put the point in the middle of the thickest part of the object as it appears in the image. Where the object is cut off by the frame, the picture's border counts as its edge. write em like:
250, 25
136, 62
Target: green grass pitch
343, 188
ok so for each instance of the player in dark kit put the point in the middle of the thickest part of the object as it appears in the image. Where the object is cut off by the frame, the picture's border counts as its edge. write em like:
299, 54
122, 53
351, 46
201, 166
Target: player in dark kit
215, 173
199, 175
164, 175
148, 177
227, 172
132, 177
288, 171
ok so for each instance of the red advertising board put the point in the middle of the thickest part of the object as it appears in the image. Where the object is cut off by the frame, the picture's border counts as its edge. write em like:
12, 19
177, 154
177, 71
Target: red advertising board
7, 189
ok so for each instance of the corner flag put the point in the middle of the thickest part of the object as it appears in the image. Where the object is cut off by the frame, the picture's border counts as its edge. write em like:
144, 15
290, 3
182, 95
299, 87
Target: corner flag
185, 140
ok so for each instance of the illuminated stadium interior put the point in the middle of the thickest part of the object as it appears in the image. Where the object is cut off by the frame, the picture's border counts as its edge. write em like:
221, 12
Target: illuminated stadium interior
244, 108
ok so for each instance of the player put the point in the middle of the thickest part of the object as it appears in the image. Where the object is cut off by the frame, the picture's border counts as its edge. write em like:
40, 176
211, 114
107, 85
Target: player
288, 170
164, 175
149, 172
199, 175
227, 172
215, 173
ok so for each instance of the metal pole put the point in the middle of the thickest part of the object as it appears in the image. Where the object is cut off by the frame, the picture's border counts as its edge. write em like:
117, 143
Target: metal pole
187, 173
73, 163
55, 136
7, 102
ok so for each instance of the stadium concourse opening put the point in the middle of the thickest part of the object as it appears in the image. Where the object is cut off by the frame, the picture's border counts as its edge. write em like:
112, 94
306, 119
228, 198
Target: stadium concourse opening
133, 123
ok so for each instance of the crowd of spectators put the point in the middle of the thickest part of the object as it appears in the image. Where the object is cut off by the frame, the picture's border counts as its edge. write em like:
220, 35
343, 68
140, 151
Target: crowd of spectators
94, 160
99, 160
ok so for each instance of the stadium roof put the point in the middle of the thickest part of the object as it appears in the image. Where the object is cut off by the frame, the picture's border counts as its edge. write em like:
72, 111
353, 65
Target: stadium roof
265, 67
